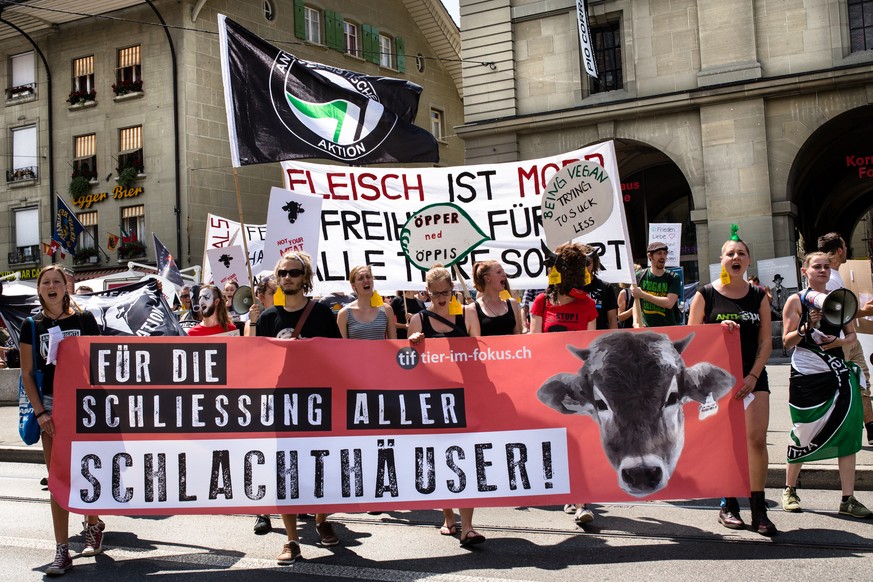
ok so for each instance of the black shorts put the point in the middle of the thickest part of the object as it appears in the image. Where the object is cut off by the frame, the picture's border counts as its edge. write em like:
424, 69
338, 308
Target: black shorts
763, 383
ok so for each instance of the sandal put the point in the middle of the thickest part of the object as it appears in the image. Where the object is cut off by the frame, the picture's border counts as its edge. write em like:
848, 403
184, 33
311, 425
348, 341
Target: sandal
449, 530
472, 538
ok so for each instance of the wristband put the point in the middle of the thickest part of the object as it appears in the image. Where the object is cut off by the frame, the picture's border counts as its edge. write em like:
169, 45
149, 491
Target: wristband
44, 411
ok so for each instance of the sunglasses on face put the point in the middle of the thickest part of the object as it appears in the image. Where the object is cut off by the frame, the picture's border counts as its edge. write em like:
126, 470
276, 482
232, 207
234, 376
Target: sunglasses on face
184, 296
282, 273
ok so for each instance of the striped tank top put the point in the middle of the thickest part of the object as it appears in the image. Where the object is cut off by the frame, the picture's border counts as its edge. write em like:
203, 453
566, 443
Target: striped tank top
374, 330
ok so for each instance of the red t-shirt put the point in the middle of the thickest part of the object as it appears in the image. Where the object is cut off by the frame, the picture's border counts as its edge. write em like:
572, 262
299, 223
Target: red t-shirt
573, 316
201, 330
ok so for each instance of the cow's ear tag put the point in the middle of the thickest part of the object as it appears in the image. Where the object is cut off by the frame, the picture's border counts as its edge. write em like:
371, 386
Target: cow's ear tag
554, 277
376, 300
725, 276
504, 295
279, 298
587, 278
455, 307
709, 407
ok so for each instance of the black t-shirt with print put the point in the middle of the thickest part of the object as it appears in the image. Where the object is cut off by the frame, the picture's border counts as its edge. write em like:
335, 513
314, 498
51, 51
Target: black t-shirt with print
77, 324
604, 298
279, 323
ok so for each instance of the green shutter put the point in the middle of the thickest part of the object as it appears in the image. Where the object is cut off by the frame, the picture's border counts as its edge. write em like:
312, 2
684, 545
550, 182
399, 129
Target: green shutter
371, 43
339, 34
329, 29
400, 54
299, 20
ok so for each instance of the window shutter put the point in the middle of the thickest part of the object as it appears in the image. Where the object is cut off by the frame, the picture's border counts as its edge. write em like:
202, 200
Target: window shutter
339, 33
299, 20
371, 43
329, 30
400, 52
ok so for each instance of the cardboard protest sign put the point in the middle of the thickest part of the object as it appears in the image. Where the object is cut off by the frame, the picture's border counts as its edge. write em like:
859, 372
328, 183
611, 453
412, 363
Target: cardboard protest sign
177, 425
365, 209
670, 233
228, 264
293, 221
222, 232
439, 233
578, 200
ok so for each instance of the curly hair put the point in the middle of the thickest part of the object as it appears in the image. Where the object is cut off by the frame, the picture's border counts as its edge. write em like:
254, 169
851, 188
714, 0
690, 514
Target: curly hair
571, 261
306, 264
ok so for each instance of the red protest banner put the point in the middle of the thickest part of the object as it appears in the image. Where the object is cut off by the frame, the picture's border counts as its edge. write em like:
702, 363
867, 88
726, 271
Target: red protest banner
250, 425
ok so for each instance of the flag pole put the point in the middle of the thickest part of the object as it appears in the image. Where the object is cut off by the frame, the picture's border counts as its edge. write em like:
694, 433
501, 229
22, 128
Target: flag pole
242, 226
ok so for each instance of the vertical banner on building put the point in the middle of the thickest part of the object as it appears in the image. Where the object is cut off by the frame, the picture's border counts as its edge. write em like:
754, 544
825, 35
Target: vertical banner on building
670, 233
586, 47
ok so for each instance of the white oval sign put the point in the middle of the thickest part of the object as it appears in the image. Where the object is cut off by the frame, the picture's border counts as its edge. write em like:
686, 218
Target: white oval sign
577, 200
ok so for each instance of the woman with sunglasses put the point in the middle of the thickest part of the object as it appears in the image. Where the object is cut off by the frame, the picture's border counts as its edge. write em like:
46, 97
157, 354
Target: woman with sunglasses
437, 322
361, 319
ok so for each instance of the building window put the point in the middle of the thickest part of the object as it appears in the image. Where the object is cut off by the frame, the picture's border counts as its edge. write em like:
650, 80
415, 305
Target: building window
24, 160
130, 149
26, 236
352, 40
132, 232
89, 221
386, 52
312, 20
607, 53
83, 74
437, 127
269, 10
22, 81
85, 162
861, 25
128, 73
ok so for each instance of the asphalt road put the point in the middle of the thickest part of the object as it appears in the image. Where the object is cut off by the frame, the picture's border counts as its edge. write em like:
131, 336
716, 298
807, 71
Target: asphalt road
641, 541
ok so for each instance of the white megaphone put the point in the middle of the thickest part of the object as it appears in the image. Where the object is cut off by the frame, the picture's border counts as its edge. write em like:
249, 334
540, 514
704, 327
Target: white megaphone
242, 300
837, 307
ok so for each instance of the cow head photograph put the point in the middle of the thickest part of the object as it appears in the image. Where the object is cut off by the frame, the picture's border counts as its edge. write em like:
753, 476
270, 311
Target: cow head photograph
634, 386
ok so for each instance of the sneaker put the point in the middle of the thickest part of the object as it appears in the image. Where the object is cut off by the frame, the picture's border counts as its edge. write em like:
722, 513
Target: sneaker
326, 535
93, 540
570, 508
263, 525
583, 515
854, 508
290, 552
100, 524
62, 563
790, 500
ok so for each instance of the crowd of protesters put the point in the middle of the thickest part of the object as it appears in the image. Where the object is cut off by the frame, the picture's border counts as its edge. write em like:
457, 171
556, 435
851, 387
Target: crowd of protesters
574, 298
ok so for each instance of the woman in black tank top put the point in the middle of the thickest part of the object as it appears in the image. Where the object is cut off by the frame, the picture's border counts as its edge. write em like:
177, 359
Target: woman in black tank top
496, 315
741, 307
438, 322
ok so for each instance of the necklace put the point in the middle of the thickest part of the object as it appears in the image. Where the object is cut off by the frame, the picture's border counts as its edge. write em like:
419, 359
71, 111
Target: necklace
52, 319
501, 306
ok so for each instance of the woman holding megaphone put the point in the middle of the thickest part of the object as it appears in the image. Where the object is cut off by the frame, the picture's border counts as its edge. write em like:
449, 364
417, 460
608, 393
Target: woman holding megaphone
823, 392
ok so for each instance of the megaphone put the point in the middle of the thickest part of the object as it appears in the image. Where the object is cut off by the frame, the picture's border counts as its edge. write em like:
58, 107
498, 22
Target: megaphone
242, 300
837, 307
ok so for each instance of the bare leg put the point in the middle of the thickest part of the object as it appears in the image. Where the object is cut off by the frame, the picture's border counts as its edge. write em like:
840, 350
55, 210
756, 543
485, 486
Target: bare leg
466, 520
290, 521
792, 472
60, 516
757, 421
320, 518
449, 517
847, 474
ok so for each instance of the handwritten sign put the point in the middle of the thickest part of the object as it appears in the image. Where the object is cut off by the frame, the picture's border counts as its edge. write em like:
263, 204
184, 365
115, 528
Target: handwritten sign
578, 200
670, 233
439, 233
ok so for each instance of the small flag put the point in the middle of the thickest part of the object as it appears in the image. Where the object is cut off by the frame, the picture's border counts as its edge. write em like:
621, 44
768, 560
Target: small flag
166, 265
112, 241
282, 108
67, 229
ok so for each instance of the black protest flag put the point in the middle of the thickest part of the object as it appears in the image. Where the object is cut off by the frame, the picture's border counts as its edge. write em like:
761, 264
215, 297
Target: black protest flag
282, 108
166, 264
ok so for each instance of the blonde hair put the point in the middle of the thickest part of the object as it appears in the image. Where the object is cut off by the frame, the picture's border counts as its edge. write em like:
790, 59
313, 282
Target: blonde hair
353, 274
481, 270
438, 273
810, 256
